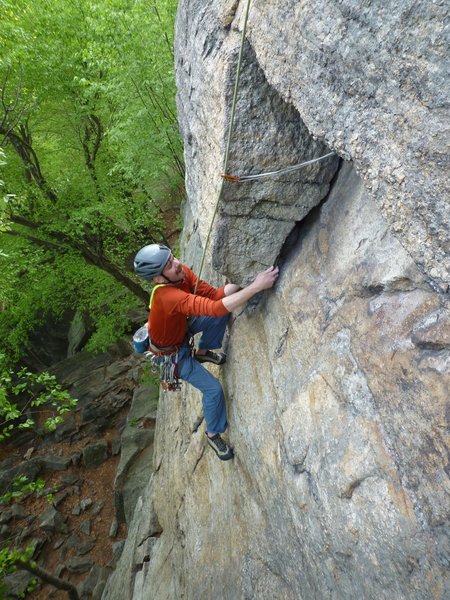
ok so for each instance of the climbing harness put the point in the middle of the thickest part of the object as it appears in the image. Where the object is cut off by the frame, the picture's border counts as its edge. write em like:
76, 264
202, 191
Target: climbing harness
164, 360
238, 179
167, 364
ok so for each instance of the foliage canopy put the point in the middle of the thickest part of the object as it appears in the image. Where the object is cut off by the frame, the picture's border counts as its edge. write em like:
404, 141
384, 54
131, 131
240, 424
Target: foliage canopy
90, 159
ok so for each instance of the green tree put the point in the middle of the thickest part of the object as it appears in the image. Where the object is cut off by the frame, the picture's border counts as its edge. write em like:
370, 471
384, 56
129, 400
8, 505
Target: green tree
88, 127
42, 390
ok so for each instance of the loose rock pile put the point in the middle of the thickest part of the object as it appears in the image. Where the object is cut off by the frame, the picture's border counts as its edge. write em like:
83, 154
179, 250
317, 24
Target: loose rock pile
79, 534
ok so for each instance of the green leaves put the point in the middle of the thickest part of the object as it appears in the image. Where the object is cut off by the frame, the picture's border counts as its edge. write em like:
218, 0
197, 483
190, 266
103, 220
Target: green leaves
21, 486
34, 391
12, 559
110, 58
90, 153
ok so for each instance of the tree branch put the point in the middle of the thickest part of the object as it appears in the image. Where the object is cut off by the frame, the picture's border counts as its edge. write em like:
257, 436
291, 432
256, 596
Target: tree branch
46, 576
11, 107
35, 240
92, 125
98, 129
169, 45
29, 158
65, 241
25, 222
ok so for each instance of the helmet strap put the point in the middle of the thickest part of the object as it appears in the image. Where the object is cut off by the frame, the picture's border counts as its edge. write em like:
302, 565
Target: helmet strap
169, 281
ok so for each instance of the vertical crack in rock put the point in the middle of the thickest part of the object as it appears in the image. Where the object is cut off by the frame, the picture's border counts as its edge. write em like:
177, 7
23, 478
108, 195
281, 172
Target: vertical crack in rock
301, 227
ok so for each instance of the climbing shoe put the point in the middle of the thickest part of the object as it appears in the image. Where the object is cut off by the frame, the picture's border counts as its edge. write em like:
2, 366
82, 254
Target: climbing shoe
223, 450
218, 358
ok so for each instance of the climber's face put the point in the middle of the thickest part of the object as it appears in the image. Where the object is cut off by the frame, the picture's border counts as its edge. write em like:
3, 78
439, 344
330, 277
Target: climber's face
173, 271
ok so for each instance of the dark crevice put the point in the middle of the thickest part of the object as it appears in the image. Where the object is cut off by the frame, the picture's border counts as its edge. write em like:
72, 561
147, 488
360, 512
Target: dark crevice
198, 461
197, 424
435, 346
302, 228
440, 288
347, 494
371, 290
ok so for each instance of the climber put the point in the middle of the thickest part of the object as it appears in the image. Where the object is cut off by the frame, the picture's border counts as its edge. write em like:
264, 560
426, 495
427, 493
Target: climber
177, 314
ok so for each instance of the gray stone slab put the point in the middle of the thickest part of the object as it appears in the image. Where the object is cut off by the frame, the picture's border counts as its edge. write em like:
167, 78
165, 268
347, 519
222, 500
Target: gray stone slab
95, 454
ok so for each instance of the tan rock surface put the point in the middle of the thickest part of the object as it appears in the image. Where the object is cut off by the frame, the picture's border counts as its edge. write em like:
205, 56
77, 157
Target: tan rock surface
338, 380
337, 385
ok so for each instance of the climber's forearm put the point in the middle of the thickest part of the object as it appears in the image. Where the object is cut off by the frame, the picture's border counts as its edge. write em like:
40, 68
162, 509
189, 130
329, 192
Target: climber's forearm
234, 301
231, 288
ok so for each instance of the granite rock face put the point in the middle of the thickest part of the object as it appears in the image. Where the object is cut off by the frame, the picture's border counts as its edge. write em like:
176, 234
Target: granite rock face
366, 80
337, 386
337, 381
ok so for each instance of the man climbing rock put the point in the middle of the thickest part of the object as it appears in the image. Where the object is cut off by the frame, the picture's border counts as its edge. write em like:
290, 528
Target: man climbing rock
177, 314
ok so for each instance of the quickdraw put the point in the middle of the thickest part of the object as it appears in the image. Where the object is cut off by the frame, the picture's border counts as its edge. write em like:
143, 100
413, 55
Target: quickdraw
166, 367
230, 178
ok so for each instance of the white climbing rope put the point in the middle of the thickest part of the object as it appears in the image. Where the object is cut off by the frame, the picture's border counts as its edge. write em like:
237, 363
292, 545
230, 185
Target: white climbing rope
230, 133
242, 178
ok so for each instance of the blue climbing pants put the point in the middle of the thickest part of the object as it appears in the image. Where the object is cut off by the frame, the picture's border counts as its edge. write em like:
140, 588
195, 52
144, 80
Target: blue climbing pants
214, 409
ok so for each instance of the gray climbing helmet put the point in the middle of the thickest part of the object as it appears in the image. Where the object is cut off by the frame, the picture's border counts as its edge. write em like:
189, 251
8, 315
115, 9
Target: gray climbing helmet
151, 260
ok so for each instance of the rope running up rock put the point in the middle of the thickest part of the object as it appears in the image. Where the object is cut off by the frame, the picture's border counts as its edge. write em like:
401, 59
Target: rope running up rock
227, 151
230, 133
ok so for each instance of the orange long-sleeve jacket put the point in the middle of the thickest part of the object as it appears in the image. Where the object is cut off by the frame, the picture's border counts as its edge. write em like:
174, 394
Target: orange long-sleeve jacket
173, 303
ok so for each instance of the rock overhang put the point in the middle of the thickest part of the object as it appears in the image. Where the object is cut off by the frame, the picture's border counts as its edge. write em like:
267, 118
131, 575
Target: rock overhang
366, 82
